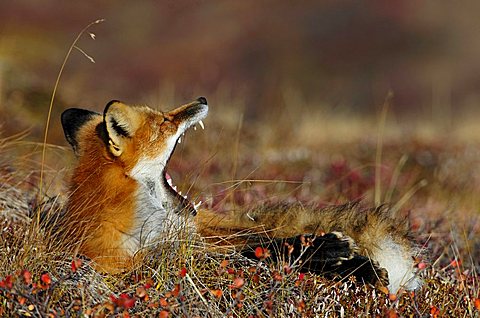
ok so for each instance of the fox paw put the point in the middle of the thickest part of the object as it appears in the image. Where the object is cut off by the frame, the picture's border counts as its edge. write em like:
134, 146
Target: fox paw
336, 247
362, 268
381, 273
313, 252
334, 255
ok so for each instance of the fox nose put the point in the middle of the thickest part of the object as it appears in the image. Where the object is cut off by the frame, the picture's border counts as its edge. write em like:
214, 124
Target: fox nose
202, 100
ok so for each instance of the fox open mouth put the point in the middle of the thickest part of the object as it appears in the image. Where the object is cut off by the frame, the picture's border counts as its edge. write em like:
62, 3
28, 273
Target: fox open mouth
190, 116
185, 204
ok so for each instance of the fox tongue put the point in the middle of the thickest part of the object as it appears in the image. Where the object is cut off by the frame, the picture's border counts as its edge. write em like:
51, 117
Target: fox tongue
170, 183
169, 179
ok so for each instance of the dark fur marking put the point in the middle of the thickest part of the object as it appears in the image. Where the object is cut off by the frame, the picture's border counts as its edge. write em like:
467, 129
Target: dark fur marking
119, 129
362, 268
72, 120
102, 133
110, 103
330, 255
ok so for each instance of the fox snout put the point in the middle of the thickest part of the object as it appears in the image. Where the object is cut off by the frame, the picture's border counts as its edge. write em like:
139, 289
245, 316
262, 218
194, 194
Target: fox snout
202, 100
189, 114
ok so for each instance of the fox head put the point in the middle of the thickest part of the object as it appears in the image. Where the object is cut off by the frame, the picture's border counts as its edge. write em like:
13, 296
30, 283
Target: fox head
133, 142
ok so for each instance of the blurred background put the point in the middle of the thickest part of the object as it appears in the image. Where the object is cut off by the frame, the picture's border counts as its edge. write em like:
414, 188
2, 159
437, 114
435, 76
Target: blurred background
261, 60
296, 91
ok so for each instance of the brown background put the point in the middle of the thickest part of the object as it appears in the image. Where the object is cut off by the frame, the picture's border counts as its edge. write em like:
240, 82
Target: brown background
265, 57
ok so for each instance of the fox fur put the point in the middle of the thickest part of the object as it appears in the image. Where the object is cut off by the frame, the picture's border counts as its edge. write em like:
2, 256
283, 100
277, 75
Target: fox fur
120, 202
378, 234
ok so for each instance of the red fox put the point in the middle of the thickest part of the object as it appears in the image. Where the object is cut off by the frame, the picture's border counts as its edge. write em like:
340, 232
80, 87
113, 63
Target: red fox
121, 201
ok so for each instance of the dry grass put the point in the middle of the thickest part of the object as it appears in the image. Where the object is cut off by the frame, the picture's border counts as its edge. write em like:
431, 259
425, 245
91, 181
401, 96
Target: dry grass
39, 277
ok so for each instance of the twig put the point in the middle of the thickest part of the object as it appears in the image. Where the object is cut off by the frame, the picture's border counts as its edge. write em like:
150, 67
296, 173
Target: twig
196, 289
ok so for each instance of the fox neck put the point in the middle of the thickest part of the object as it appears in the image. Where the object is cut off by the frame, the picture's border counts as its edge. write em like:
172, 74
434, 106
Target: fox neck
158, 212
149, 174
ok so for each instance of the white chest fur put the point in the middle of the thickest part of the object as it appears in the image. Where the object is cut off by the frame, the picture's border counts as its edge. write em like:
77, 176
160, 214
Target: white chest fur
156, 218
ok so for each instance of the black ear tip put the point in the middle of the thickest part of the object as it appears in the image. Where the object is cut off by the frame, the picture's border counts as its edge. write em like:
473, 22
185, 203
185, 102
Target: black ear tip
113, 101
67, 116
65, 113
72, 120
110, 103
202, 100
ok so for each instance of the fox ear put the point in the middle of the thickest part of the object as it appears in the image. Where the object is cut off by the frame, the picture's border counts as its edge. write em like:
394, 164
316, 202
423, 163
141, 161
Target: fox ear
73, 119
121, 122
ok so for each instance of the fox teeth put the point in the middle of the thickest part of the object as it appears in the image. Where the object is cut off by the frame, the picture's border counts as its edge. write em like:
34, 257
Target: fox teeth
169, 181
180, 140
174, 187
194, 127
201, 124
197, 205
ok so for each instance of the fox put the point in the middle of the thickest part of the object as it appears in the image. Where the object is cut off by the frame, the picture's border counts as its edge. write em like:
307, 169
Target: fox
121, 200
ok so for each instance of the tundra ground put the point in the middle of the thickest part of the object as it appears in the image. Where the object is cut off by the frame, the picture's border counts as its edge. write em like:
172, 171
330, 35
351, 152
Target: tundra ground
432, 178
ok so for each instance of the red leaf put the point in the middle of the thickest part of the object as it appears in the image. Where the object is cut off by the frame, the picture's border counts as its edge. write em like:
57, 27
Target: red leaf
27, 277
456, 263
422, 265
183, 272
7, 282
259, 252
224, 263
124, 296
163, 314
45, 278
216, 292
22, 300
476, 303
76, 264
163, 302
238, 282
149, 283
113, 299
176, 290
129, 303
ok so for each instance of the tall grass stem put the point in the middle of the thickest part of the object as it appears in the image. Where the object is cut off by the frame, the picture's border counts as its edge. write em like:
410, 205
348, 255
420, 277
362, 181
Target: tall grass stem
52, 99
